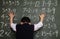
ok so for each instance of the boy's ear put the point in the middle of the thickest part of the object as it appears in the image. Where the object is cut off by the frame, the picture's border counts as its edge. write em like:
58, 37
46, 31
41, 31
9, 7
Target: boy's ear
21, 22
30, 23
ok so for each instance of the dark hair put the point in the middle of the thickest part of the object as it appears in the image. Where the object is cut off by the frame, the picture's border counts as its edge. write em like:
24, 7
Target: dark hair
25, 19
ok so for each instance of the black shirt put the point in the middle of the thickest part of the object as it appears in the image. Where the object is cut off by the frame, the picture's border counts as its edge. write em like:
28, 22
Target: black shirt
24, 31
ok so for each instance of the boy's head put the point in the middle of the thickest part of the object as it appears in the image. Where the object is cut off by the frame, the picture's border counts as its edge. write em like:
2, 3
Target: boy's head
25, 20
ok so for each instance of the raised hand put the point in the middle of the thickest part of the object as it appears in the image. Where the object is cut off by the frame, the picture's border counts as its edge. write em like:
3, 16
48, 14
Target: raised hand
11, 14
42, 15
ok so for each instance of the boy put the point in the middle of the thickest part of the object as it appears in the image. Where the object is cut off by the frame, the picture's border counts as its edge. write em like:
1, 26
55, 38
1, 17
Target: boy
25, 30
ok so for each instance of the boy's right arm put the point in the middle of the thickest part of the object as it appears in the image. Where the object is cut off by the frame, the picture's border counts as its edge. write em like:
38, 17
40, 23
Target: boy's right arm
40, 24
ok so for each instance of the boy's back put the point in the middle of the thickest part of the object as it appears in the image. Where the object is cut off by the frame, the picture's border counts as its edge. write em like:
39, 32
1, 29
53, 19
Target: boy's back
24, 31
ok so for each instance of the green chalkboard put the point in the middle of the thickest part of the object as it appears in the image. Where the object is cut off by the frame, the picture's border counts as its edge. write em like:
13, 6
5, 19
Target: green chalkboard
31, 9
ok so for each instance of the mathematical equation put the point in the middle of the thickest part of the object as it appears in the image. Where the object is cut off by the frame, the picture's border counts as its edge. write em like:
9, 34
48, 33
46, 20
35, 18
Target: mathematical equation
4, 33
10, 3
32, 9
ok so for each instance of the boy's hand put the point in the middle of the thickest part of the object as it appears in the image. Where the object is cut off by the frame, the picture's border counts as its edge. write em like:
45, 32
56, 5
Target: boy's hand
11, 15
42, 15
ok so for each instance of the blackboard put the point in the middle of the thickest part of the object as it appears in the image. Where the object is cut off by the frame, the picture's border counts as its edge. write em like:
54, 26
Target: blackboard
31, 9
